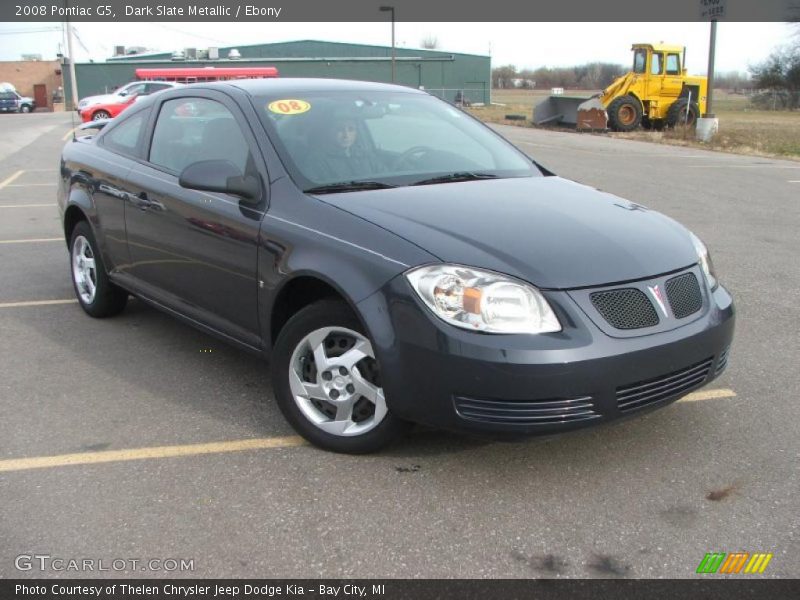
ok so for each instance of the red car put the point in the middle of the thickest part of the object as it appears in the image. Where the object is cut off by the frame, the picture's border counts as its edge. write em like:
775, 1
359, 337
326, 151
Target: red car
106, 110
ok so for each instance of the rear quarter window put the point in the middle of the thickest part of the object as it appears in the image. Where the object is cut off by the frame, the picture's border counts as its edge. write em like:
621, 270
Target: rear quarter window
124, 138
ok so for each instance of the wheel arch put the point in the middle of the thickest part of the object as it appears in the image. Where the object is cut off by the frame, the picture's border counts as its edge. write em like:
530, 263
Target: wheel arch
298, 291
637, 98
79, 208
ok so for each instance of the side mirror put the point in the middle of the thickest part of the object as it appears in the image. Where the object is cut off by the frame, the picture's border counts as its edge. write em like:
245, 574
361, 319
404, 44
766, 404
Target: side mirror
221, 176
123, 93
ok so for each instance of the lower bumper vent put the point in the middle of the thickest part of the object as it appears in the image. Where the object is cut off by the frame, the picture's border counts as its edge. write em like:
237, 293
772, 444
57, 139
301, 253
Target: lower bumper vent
722, 361
534, 412
649, 392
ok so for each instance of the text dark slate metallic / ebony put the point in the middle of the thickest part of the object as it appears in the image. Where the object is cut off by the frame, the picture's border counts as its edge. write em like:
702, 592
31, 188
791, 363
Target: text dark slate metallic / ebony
396, 261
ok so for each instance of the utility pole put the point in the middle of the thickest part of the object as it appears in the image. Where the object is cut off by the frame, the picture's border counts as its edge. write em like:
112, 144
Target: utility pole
72, 79
707, 123
390, 9
712, 47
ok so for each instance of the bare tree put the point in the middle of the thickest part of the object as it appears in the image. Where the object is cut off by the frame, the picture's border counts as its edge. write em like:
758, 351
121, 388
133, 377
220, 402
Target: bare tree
780, 74
429, 42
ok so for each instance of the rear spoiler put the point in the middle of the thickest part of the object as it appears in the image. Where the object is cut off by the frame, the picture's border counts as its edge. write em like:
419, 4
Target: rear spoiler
98, 125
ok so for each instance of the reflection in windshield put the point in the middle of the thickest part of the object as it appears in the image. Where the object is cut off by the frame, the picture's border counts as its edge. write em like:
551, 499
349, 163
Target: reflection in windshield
391, 138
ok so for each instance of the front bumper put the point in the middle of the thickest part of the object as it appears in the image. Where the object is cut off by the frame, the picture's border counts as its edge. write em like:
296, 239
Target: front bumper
454, 379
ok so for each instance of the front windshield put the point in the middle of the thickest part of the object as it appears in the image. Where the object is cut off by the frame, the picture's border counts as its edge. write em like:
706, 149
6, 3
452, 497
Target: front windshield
386, 138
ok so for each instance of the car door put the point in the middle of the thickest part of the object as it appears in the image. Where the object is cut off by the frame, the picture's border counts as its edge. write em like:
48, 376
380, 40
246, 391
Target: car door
673, 82
656, 78
111, 192
192, 251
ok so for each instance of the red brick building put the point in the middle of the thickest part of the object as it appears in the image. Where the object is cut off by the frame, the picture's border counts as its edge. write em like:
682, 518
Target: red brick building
35, 78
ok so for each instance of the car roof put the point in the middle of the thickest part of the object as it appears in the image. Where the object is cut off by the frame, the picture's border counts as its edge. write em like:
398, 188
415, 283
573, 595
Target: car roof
290, 85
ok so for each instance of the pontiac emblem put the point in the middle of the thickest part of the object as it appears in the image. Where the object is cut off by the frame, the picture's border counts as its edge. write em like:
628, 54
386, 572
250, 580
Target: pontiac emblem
655, 292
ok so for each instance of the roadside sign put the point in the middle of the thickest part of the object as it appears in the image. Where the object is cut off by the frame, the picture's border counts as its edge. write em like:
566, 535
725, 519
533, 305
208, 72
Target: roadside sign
712, 10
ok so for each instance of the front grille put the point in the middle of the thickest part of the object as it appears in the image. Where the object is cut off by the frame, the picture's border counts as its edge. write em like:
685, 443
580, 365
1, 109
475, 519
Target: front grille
722, 361
683, 293
530, 412
626, 308
645, 393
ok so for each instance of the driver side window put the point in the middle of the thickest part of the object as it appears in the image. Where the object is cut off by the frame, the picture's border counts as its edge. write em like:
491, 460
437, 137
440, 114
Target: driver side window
191, 130
655, 64
673, 65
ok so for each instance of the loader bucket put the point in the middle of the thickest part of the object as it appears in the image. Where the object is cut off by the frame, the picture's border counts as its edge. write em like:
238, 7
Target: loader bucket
592, 115
558, 110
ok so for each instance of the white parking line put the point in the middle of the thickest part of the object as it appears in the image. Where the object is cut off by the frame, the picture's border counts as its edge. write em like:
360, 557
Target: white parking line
69, 134
32, 241
106, 456
24, 205
734, 166
36, 303
31, 184
8, 180
708, 395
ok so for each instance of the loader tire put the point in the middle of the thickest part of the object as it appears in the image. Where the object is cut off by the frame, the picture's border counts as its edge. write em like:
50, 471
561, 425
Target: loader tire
624, 113
677, 113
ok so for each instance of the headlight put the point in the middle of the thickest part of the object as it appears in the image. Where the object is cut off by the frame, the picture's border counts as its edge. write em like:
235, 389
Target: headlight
482, 300
705, 260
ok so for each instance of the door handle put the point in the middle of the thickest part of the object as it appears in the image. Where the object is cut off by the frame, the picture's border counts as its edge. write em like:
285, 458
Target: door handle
140, 200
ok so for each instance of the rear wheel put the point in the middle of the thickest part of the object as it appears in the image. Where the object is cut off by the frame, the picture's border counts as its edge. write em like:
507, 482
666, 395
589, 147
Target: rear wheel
327, 381
682, 112
624, 113
100, 115
96, 294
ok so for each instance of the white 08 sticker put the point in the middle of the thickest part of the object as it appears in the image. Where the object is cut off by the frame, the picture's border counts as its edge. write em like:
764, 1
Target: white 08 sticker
289, 107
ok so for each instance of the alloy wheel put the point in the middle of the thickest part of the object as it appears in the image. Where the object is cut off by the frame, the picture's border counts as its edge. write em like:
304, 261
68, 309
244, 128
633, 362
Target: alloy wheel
84, 269
335, 381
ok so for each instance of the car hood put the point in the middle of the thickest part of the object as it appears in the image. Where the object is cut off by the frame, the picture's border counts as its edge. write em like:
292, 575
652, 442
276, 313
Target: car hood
101, 99
552, 232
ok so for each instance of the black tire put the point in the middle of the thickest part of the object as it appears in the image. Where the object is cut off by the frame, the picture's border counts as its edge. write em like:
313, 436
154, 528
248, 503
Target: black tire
25, 108
108, 299
677, 113
317, 316
100, 114
624, 113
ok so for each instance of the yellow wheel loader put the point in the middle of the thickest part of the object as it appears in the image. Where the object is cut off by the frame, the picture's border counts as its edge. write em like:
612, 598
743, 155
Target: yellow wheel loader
656, 93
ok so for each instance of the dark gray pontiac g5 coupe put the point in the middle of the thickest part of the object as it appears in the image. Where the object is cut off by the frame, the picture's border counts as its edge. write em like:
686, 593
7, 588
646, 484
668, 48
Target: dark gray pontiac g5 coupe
395, 259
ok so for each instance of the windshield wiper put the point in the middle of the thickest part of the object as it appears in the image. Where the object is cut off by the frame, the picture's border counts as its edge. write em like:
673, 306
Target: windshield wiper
455, 177
348, 186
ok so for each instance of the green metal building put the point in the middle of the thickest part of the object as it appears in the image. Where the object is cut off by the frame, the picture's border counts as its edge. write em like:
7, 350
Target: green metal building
441, 73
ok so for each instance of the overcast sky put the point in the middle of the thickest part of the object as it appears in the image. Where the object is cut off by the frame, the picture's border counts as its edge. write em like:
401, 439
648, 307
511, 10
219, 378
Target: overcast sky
522, 44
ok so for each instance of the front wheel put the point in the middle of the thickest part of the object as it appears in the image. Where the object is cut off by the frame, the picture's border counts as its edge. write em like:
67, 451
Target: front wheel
25, 108
624, 113
682, 112
96, 294
327, 381
100, 115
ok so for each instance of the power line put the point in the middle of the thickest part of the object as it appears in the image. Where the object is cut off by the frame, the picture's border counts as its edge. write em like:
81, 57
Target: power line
80, 41
21, 32
190, 34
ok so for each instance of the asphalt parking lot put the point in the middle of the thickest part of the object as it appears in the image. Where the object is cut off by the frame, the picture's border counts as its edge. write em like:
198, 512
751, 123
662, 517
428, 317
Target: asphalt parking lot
139, 438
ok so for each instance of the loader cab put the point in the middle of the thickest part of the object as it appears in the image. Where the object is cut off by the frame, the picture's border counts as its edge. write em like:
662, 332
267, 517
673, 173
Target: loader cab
660, 67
